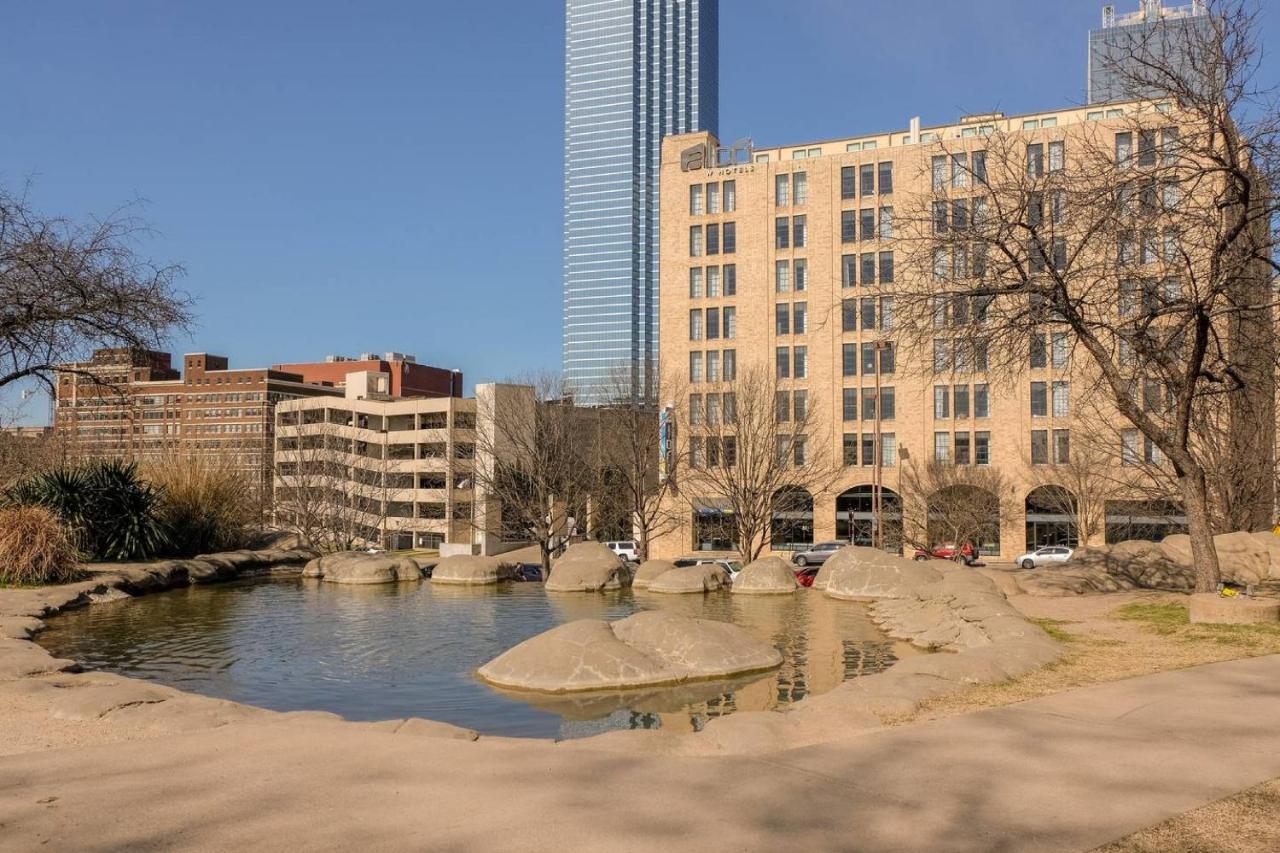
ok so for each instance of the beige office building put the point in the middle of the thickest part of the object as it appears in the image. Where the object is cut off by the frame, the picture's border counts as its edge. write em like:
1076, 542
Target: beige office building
786, 260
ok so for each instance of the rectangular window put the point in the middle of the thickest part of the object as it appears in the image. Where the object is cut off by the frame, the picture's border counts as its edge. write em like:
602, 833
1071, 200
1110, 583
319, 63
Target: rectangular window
941, 402
800, 362
783, 362
888, 357
980, 167
1147, 148
1039, 355
1124, 150
782, 406
939, 170
730, 196
695, 283
869, 313
849, 404
867, 179
800, 317
730, 238
713, 366
959, 171
1129, 454
695, 324
868, 359
800, 187
730, 322
801, 274
799, 232
1061, 399
713, 324
695, 241
1039, 447
1059, 351
713, 198
941, 355
961, 396
1035, 160
713, 409
800, 405
981, 401
782, 276
982, 448
848, 315
695, 409
730, 280
850, 448
713, 239
730, 372
849, 360
782, 318
695, 200
868, 404
1061, 446
848, 226
868, 268
782, 190
1058, 206
781, 233
849, 270
942, 447
886, 313
713, 282
848, 182
695, 367
886, 179
1057, 156
962, 448
1039, 399
868, 220
960, 214
940, 217
886, 223
886, 267
888, 449
868, 448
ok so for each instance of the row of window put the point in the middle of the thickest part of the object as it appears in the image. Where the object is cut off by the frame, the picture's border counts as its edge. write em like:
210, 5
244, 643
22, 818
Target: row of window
790, 274
960, 355
960, 310
861, 224
959, 400
707, 239
1151, 294
866, 443
962, 448
713, 282
863, 402
784, 185
1149, 150
1041, 446
707, 200
958, 171
790, 232
711, 408
787, 403
1149, 246
1061, 395
713, 366
1057, 353
861, 269
792, 362
869, 354
706, 324
861, 180
962, 214
874, 313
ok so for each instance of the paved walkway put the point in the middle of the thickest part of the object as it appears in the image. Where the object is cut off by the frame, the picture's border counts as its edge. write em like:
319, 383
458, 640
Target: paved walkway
1065, 772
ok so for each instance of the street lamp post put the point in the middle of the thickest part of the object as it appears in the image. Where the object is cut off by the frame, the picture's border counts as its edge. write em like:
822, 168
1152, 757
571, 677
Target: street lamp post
877, 460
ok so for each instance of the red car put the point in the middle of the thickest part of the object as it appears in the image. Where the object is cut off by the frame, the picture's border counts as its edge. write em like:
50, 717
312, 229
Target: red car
806, 575
965, 553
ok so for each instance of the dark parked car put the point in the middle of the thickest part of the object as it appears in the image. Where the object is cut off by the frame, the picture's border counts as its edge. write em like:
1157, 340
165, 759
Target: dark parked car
818, 554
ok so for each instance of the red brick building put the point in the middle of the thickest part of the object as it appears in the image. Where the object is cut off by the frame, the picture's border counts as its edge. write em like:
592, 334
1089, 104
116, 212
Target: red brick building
408, 377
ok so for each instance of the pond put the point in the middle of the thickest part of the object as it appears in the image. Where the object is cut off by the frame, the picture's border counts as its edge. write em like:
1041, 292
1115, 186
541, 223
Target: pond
411, 650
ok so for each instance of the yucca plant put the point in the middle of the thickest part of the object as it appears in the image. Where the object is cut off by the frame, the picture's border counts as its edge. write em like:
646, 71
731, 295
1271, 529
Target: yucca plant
109, 511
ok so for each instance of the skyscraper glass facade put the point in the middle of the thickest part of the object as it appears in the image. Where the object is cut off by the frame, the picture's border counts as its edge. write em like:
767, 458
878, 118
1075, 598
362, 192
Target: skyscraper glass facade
635, 71
1166, 36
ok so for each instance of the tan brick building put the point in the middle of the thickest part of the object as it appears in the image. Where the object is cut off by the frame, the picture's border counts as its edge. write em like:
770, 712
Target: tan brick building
785, 259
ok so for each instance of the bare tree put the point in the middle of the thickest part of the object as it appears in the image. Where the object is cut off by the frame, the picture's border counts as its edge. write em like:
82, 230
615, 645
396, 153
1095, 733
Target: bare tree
67, 288
1147, 240
642, 456
953, 503
757, 451
1080, 486
537, 462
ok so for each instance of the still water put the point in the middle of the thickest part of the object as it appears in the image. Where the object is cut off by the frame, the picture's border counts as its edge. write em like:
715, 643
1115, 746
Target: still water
411, 650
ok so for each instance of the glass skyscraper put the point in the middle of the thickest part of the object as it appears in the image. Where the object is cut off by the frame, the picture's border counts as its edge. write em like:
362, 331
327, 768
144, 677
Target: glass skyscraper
1161, 34
635, 71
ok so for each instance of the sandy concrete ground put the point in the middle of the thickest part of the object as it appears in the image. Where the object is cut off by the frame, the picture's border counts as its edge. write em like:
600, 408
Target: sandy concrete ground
1065, 772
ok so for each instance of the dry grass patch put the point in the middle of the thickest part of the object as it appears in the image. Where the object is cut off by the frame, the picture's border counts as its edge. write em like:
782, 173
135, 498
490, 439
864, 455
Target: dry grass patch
1137, 639
1248, 822
34, 548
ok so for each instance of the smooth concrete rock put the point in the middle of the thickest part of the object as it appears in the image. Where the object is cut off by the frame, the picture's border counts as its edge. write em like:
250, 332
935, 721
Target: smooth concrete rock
648, 648
21, 658
473, 570
1234, 610
19, 627
867, 573
766, 576
108, 596
588, 567
690, 579
419, 727
94, 701
1270, 542
354, 567
649, 571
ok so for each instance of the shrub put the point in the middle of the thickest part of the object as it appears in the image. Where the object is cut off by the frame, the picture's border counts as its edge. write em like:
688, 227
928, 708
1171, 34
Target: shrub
109, 511
34, 548
206, 504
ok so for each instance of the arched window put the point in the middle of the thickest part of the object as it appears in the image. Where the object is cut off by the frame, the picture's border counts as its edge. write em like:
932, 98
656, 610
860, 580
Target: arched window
792, 528
1052, 516
856, 519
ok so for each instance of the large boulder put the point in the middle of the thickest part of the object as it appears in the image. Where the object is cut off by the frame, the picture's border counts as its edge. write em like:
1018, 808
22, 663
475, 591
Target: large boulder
1271, 543
649, 571
865, 573
355, 567
707, 577
648, 648
466, 569
588, 567
766, 576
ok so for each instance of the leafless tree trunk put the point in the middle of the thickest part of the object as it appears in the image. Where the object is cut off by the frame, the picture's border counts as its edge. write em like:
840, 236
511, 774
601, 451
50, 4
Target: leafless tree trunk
1148, 239
954, 504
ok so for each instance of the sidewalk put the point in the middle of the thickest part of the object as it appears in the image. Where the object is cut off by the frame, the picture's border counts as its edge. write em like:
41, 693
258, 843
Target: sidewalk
1062, 773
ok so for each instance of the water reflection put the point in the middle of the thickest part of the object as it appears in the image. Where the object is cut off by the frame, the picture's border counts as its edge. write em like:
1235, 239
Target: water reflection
399, 650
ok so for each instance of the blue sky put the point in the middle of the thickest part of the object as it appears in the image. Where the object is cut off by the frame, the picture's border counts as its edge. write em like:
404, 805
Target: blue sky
342, 176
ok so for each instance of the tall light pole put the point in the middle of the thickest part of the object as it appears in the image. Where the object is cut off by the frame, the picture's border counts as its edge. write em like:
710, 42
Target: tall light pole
877, 459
